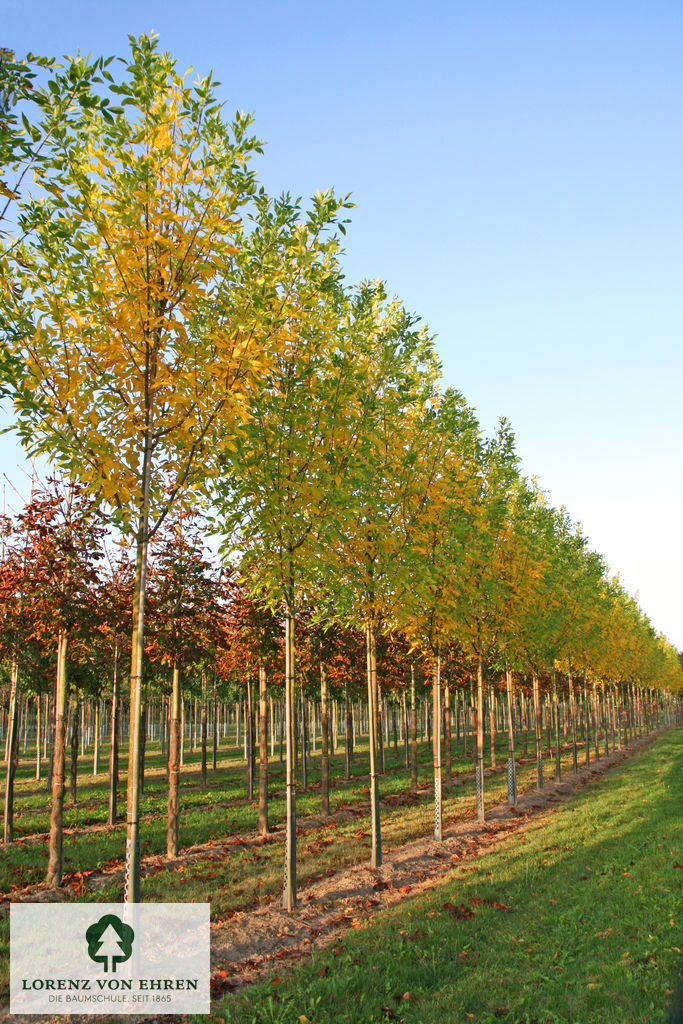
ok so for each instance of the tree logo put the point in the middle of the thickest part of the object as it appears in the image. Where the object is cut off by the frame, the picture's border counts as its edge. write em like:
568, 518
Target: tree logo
110, 941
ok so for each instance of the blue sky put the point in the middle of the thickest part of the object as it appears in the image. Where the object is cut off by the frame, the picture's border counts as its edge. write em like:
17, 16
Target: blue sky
517, 171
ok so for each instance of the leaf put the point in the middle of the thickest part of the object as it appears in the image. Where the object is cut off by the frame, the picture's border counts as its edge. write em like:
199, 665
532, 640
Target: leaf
460, 911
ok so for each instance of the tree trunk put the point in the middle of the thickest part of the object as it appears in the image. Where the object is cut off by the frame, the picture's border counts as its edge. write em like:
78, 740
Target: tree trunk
492, 723
54, 865
143, 742
114, 751
216, 724
173, 815
572, 716
38, 737
204, 726
512, 776
132, 869
587, 719
380, 729
539, 734
73, 774
371, 654
249, 736
96, 737
289, 893
324, 745
436, 733
447, 729
304, 741
413, 732
348, 724
263, 751
406, 741
12, 756
479, 769
556, 715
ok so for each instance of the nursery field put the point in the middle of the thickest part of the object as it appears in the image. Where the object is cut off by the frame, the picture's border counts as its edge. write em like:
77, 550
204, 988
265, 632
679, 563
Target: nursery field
223, 809
587, 886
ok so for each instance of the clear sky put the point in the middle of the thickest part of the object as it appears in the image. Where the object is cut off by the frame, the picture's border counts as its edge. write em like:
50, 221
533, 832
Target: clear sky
518, 170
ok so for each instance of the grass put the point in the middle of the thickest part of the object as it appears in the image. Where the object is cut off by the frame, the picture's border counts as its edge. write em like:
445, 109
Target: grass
590, 937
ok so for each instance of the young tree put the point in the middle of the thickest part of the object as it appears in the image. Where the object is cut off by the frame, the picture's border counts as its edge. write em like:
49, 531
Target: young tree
138, 309
437, 519
368, 564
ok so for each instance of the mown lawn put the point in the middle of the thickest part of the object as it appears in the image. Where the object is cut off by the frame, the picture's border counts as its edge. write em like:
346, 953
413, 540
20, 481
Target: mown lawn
589, 937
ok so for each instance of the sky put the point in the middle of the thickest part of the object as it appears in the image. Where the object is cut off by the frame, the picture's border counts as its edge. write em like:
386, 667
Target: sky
517, 174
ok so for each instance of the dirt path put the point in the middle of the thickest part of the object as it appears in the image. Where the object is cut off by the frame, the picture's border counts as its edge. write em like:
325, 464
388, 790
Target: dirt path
249, 945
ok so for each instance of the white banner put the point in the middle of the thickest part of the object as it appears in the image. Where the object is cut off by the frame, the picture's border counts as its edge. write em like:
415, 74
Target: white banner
145, 958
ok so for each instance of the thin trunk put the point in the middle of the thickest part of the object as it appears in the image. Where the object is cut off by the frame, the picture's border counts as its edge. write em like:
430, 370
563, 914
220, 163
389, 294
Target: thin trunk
436, 705
512, 776
114, 750
54, 866
204, 728
96, 738
263, 751
586, 719
539, 734
371, 653
406, 742
304, 740
249, 736
38, 736
216, 725
447, 729
75, 725
348, 723
380, 730
132, 868
479, 769
413, 732
572, 715
173, 814
324, 745
492, 723
289, 892
12, 754
143, 740
556, 712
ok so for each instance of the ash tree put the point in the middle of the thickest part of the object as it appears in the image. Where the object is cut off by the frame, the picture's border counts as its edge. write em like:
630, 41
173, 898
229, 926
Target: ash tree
137, 309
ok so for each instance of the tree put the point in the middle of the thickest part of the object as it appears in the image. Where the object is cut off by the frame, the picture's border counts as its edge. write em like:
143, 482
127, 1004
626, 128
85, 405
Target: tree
148, 311
437, 519
367, 564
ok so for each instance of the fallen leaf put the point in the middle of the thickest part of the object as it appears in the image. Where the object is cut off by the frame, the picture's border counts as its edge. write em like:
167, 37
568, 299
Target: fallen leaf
461, 911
